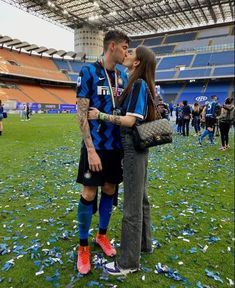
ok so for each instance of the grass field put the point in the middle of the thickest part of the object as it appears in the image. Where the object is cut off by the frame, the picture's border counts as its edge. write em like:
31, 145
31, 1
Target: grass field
191, 194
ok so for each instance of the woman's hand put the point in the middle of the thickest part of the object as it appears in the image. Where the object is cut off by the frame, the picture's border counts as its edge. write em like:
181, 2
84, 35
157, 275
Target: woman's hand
93, 114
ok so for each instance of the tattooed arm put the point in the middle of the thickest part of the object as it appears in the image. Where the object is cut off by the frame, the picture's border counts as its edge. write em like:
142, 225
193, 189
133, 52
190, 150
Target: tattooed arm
127, 120
93, 158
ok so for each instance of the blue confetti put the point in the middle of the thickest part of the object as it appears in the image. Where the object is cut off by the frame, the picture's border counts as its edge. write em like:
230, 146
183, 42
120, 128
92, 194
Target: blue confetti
214, 275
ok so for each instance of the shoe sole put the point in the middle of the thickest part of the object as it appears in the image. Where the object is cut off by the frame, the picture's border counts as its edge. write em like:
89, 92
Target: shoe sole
122, 274
83, 273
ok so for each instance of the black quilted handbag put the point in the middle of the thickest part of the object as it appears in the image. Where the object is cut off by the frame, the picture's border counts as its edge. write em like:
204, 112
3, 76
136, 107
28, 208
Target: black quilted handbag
153, 133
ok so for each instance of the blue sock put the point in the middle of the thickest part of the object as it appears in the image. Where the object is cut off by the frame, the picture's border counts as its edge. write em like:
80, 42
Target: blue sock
84, 217
105, 211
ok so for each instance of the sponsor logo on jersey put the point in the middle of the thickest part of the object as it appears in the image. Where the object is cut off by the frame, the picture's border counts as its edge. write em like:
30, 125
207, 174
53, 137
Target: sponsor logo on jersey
104, 90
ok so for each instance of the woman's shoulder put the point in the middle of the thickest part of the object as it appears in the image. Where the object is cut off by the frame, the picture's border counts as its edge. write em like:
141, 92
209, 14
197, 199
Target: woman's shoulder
140, 83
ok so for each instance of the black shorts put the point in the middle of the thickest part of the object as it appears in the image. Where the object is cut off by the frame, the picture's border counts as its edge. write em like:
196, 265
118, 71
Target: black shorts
112, 168
210, 122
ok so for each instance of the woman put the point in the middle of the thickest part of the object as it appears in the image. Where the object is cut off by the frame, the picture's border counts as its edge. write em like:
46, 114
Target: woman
1, 117
135, 105
225, 121
196, 118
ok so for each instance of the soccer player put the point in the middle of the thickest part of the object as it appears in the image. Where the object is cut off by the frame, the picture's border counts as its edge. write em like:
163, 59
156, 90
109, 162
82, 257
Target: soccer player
98, 85
136, 105
209, 114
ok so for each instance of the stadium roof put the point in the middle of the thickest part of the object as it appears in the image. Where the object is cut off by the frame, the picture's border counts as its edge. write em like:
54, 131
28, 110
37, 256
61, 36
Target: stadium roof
17, 44
135, 17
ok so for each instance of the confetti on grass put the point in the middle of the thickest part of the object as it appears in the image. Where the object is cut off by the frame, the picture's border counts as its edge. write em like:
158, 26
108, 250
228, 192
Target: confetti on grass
169, 272
43, 228
214, 275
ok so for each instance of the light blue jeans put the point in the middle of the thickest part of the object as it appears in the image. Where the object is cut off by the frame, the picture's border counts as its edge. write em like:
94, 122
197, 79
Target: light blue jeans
136, 225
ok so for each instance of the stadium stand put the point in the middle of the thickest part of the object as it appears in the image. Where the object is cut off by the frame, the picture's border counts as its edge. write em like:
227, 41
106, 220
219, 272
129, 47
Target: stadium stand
153, 41
66, 95
172, 62
194, 73
165, 75
23, 69
213, 32
10, 93
215, 58
180, 38
62, 64
224, 71
135, 43
40, 95
186, 62
165, 49
23, 64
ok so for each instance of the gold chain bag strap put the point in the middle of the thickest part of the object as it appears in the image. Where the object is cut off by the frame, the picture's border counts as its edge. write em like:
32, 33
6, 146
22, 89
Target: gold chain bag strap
153, 133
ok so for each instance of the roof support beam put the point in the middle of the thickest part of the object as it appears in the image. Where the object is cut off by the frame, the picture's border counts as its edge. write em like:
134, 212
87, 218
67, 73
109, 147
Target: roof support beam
231, 8
195, 15
143, 16
202, 11
221, 11
212, 13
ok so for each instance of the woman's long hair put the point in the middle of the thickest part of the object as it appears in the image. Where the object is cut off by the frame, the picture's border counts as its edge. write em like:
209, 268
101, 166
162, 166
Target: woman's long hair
196, 107
146, 71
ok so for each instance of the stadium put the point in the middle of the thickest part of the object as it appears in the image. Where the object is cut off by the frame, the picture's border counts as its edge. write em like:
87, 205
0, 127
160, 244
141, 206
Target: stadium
191, 187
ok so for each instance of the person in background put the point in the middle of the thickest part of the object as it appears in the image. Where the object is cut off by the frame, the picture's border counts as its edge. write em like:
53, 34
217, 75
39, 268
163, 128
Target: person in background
226, 119
136, 105
171, 108
163, 109
196, 111
186, 115
27, 111
99, 85
1, 117
179, 117
23, 113
209, 114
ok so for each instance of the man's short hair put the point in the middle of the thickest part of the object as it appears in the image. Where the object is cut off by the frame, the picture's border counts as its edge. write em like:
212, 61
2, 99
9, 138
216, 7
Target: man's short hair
214, 97
116, 36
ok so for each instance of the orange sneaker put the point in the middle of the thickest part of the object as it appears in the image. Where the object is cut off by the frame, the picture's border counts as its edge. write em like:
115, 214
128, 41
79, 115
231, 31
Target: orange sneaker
83, 263
104, 243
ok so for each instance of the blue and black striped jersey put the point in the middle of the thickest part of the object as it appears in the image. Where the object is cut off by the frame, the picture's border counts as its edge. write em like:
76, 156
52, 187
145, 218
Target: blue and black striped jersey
136, 102
92, 83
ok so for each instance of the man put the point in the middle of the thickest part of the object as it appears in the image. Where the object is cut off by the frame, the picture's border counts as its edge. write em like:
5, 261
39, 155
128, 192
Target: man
179, 117
98, 85
163, 109
171, 108
209, 114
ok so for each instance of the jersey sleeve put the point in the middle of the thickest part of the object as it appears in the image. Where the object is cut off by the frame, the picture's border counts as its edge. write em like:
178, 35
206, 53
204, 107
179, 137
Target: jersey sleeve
137, 105
83, 83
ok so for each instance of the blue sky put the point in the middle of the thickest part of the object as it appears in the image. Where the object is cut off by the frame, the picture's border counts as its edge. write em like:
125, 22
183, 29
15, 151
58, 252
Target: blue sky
18, 24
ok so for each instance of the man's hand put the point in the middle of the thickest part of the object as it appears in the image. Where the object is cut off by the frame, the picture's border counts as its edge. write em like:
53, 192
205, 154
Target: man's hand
93, 114
94, 161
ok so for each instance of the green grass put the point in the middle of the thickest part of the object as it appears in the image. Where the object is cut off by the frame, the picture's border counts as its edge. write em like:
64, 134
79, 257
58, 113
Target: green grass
190, 187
